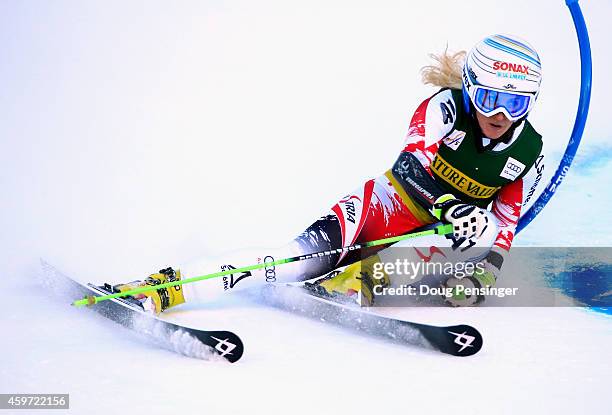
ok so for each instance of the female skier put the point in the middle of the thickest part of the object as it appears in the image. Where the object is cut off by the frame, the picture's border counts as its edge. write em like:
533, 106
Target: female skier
465, 160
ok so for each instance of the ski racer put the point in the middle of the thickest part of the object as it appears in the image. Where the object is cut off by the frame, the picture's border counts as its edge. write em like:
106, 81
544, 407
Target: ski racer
470, 159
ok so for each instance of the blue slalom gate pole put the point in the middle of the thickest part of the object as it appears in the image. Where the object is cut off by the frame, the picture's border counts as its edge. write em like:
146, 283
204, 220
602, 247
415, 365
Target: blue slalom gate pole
579, 123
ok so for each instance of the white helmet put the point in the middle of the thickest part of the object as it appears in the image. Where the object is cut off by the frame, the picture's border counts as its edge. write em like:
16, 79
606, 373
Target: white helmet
502, 74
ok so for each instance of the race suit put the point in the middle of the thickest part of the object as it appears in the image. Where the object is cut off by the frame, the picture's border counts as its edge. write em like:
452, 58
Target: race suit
444, 152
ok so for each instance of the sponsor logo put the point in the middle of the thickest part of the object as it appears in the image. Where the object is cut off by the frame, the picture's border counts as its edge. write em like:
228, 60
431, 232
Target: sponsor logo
472, 73
463, 340
512, 169
539, 168
349, 207
462, 211
553, 186
350, 211
448, 111
466, 78
229, 281
405, 171
224, 347
461, 181
270, 269
454, 139
511, 67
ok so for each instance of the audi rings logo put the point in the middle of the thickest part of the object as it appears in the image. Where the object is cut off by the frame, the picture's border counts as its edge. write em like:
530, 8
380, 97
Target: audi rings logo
270, 269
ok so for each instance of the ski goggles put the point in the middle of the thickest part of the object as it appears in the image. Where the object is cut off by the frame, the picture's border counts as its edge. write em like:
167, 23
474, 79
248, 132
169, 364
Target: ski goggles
514, 105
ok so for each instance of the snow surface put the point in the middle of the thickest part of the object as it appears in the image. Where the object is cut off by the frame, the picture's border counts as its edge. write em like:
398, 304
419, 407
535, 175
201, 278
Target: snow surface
138, 135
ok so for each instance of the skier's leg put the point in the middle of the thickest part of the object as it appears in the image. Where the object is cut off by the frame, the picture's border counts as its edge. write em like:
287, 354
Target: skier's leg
373, 211
391, 213
210, 289
155, 300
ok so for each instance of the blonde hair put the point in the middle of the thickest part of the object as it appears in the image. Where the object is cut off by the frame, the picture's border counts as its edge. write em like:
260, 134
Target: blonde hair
446, 71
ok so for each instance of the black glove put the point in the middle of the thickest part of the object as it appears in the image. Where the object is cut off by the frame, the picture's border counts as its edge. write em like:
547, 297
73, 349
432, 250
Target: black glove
484, 276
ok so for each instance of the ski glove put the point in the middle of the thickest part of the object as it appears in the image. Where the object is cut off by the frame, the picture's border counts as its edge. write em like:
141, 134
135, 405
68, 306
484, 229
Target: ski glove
466, 290
469, 221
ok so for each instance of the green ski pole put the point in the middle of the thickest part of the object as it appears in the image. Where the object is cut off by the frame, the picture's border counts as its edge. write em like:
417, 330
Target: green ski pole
438, 230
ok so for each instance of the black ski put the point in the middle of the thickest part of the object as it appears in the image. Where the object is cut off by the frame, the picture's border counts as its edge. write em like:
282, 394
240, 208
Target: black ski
459, 340
181, 339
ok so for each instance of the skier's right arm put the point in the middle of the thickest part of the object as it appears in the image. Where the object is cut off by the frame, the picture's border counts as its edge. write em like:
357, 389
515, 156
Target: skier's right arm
433, 120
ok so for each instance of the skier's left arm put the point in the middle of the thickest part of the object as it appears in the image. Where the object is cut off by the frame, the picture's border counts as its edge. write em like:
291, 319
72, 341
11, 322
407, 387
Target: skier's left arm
510, 201
507, 210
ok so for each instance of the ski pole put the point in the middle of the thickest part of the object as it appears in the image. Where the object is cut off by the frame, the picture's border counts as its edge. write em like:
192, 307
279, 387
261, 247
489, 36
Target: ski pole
438, 230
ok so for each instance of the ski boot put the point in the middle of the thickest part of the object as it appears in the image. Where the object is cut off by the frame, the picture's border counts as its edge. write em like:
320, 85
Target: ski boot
154, 301
355, 284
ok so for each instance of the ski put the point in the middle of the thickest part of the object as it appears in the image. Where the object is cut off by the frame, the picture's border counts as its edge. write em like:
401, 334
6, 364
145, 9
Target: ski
201, 344
458, 340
